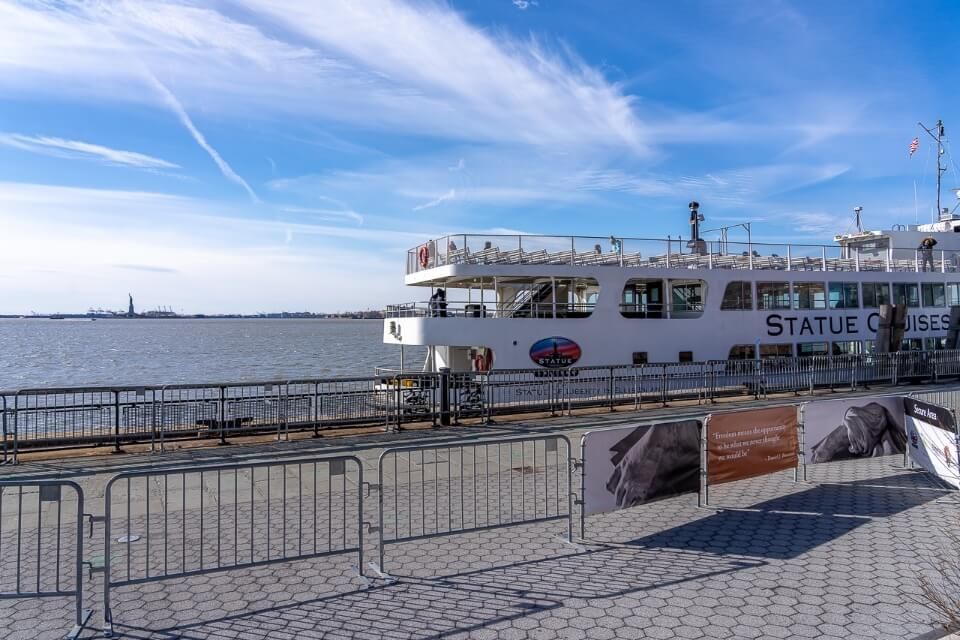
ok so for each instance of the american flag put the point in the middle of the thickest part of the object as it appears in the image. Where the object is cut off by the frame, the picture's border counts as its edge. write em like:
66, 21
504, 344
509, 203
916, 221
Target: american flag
914, 146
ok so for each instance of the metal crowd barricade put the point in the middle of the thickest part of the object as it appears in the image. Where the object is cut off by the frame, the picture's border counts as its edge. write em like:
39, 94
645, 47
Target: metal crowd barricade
626, 386
945, 364
684, 381
65, 415
181, 522
587, 387
42, 556
448, 489
523, 390
352, 401
467, 395
948, 398
9, 435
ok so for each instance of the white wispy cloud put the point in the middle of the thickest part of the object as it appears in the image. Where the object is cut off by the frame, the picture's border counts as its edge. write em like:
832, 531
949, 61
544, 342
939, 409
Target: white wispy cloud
327, 214
61, 148
437, 75
449, 195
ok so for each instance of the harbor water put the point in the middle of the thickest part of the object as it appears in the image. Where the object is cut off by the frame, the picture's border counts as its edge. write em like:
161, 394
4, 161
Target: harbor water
43, 353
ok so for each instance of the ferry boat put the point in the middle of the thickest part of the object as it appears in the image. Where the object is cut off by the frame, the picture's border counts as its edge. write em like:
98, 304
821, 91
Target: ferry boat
506, 302
519, 302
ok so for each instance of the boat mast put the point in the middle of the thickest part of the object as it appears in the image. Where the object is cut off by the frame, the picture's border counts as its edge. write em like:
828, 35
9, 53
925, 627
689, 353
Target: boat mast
938, 138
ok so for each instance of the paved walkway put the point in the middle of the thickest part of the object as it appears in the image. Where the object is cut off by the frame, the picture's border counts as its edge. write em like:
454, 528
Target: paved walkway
837, 556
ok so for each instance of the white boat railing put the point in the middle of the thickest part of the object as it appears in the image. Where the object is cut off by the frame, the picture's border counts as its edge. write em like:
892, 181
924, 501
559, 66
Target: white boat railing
465, 249
488, 309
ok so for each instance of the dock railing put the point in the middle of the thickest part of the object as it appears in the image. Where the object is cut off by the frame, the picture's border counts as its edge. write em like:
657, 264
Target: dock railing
118, 416
468, 249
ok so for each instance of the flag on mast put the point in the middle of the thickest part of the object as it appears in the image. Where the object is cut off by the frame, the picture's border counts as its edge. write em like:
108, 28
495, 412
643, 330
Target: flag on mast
914, 145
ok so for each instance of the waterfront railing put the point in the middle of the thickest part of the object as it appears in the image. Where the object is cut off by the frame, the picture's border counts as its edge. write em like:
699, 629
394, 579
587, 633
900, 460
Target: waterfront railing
53, 418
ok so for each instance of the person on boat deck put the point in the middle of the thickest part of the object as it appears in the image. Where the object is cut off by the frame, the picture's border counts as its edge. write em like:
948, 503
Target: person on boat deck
926, 253
434, 305
615, 244
442, 302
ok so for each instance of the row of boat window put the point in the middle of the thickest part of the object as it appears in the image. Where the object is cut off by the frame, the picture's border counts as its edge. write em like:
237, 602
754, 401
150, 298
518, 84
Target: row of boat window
738, 295
837, 348
805, 349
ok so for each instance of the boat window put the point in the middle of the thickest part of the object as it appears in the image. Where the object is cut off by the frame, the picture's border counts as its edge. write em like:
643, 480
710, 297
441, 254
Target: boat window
933, 295
642, 298
809, 295
784, 350
546, 298
685, 356
912, 344
805, 349
773, 295
953, 292
686, 298
741, 352
869, 346
844, 295
639, 357
906, 293
875, 294
934, 344
846, 347
738, 296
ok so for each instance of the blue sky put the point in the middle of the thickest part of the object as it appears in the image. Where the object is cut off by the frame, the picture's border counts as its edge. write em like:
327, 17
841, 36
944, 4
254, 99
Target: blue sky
248, 155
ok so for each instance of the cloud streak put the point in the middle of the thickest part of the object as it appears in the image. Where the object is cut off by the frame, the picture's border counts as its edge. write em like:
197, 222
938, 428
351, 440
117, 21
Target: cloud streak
171, 101
449, 195
75, 149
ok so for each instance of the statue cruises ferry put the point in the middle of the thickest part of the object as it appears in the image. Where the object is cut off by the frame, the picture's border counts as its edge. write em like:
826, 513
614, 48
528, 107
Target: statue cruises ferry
552, 302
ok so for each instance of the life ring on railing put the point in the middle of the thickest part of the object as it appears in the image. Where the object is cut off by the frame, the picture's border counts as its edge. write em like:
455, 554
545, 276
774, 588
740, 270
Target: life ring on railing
424, 255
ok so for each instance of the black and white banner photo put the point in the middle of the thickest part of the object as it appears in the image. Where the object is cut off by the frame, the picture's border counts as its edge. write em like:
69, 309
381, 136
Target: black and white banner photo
632, 465
932, 439
853, 428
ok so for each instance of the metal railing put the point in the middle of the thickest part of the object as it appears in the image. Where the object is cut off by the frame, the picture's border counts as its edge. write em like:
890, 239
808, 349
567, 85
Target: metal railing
469, 249
42, 555
52, 418
190, 521
490, 309
440, 490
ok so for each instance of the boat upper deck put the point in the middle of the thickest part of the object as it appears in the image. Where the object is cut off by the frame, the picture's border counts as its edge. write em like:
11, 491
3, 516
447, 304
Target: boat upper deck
467, 249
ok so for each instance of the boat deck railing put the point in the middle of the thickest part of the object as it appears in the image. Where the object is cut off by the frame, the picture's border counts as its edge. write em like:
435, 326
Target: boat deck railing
494, 309
669, 254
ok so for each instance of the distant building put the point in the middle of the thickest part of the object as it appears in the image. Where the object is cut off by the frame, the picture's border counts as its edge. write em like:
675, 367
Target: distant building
130, 310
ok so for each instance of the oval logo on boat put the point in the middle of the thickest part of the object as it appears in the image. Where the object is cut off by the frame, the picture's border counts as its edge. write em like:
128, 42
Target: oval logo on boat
555, 352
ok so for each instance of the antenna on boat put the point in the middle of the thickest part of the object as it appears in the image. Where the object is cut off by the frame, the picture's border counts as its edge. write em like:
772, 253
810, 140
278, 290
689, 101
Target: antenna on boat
938, 138
856, 212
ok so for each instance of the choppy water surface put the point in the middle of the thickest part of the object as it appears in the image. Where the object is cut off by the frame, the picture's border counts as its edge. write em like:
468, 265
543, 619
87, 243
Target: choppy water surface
40, 353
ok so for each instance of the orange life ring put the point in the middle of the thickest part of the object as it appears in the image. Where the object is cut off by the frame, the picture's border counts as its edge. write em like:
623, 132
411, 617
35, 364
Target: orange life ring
424, 256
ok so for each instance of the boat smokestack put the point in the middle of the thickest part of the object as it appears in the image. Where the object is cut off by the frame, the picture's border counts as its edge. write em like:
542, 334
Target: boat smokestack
698, 246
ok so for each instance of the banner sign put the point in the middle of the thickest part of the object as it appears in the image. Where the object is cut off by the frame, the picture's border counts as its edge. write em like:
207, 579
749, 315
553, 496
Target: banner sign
632, 465
933, 440
853, 428
745, 444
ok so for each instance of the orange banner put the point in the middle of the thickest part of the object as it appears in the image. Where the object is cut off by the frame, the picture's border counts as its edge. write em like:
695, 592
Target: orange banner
744, 444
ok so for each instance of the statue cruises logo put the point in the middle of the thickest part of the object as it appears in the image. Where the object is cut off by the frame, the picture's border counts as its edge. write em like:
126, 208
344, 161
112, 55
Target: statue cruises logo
555, 352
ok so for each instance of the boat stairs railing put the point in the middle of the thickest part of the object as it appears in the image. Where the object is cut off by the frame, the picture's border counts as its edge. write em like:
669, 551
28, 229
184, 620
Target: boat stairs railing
466, 249
114, 417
